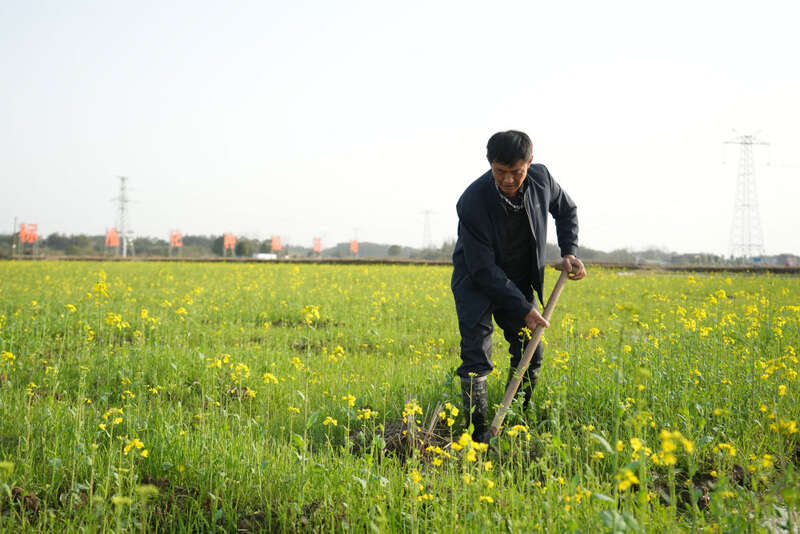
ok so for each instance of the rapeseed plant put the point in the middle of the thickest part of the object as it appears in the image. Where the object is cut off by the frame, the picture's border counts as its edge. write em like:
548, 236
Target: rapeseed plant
713, 356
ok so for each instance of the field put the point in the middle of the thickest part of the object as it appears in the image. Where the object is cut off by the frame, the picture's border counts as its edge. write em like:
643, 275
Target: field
210, 397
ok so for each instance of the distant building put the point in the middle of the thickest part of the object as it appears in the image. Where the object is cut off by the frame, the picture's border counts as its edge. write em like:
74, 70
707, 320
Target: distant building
265, 256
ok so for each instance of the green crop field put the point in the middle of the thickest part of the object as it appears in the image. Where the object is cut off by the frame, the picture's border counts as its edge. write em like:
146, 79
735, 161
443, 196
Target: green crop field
160, 397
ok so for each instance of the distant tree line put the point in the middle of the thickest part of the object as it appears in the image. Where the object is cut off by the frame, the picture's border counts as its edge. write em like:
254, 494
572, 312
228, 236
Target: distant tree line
199, 246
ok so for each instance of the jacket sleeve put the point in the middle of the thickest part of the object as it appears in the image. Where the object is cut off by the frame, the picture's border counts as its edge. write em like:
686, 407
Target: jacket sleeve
474, 230
565, 213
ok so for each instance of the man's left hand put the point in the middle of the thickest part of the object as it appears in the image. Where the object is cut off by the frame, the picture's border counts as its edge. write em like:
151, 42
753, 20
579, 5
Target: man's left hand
574, 267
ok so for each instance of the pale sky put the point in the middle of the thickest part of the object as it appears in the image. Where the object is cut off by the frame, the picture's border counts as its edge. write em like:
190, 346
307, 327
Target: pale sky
312, 119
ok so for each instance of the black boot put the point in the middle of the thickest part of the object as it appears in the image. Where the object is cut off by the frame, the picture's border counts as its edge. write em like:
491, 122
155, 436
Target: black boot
526, 386
475, 397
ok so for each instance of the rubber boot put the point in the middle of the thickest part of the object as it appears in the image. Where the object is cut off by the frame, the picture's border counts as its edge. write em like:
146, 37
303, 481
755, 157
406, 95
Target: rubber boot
526, 386
475, 397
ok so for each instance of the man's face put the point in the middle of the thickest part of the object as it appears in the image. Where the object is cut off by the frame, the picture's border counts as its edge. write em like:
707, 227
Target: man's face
509, 178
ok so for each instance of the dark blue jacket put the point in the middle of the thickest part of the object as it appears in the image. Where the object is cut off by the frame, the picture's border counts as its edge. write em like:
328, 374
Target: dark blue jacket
478, 281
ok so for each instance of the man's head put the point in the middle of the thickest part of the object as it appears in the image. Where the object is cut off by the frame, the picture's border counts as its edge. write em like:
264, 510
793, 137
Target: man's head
510, 154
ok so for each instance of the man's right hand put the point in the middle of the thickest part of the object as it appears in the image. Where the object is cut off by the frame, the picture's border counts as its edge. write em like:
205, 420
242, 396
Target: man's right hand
534, 319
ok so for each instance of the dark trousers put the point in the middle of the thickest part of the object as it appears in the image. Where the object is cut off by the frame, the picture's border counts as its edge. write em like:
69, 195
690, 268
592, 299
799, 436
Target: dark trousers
476, 342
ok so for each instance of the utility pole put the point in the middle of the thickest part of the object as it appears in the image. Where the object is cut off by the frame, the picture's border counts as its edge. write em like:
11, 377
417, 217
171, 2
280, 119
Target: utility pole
13, 238
747, 239
354, 243
125, 233
426, 229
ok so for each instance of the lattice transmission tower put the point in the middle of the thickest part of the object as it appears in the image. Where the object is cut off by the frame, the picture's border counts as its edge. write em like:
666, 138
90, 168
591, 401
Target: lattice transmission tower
125, 232
747, 239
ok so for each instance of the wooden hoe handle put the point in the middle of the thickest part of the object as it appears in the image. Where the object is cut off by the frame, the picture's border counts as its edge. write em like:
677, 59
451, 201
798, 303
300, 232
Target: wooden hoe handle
519, 372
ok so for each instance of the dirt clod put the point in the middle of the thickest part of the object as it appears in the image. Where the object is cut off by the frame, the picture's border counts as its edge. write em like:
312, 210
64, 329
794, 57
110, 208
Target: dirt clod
26, 499
740, 476
252, 522
402, 438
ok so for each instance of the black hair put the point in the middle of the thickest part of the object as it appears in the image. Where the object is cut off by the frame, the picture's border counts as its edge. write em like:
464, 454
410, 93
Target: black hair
509, 147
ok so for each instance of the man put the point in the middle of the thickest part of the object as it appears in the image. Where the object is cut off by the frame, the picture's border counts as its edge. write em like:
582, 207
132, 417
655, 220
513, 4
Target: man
498, 262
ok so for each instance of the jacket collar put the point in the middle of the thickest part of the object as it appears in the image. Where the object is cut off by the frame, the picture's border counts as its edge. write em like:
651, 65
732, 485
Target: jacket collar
528, 201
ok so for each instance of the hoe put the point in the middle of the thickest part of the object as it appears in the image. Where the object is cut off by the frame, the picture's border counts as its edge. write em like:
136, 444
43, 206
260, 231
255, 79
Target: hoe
519, 372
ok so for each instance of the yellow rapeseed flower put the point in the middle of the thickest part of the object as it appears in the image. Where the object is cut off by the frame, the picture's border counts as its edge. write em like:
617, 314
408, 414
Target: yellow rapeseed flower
517, 430
134, 443
367, 413
725, 447
667, 458
626, 478
269, 378
787, 428
112, 411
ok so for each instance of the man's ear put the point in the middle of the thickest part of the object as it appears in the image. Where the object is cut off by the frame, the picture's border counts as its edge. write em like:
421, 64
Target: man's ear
530, 161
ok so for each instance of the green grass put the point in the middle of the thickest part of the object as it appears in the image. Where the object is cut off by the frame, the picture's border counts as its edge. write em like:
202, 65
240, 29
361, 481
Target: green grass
667, 402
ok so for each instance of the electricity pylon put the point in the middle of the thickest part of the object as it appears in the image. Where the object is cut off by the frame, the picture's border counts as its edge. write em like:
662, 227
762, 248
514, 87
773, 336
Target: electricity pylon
747, 239
125, 232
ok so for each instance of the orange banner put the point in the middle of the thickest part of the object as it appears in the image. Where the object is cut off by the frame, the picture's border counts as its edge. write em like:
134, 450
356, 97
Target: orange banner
175, 239
229, 241
317, 244
354, 246
276, 243
112, 237
28, 233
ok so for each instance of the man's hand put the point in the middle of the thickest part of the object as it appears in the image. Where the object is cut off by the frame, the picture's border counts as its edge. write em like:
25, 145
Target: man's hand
574, 267
534, 319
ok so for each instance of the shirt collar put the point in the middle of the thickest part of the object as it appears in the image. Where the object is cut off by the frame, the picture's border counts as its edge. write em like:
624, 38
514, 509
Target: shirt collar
514, 203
